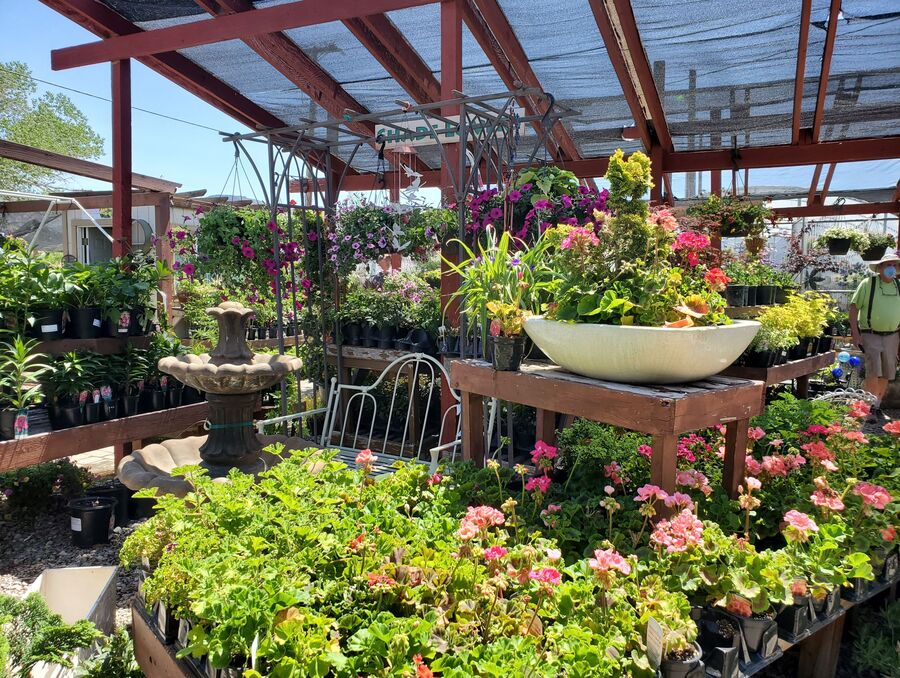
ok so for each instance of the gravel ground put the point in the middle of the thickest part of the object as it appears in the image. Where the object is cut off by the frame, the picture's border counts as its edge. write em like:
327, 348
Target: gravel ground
27, 550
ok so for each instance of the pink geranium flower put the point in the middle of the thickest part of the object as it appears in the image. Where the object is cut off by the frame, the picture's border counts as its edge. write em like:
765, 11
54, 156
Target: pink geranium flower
365, 457
893, 427
546, 575
828, 499
680, 500
873, 495
798, 525
651, 493
756, 433
484, 516
606, 560
739, 606
889, 533
494, 553
859, 409
678, 534
645, 451
539, 483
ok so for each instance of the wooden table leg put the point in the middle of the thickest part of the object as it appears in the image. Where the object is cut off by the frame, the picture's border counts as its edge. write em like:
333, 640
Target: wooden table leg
664, 461
546, 426
472, 428
735, 455
121, 450
802, 390
819, 653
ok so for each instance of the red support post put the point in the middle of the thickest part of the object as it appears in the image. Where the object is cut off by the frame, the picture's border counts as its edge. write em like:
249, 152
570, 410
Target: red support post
805, 13
451, 79
121, 152
827, 53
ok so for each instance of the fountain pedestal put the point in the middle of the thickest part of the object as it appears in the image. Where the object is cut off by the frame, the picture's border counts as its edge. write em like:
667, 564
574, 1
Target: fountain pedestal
232, 440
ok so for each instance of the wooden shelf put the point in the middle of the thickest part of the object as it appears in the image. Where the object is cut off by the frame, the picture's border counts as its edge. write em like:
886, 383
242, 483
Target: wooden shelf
793, 369
45, 447
103, 345
360, 357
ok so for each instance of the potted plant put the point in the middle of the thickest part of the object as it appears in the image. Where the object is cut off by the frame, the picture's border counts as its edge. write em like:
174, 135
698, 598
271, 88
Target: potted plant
776, 335
49, 287
62, 385
876, 246
841, 239
632, 299
506, 322
735, 217
83, 308
20, 371
739, 291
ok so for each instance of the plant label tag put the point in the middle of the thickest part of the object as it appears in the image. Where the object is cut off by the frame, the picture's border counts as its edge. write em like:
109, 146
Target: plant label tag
890, 566
654, 642
770, 641
96, 322
76, 524
47, 329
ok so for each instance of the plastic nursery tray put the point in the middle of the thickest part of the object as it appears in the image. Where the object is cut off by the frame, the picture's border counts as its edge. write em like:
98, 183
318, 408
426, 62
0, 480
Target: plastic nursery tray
820, 623
754, 667
877, 587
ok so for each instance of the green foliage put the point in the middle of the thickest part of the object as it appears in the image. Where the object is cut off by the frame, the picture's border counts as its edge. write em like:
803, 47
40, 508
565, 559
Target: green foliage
35, 634
114, 659
20, 369
730, 216
49, 121
880, 240
859, 241
876, 640
30, 492
630, 180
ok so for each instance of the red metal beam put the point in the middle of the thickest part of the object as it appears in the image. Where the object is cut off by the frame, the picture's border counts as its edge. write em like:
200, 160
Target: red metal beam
837, 210
310, 78
885, 148
629, 91
121, 155
802, 45
396, 55
219, 29
828, 52
491, 28
647, 86
825, 186
813, 185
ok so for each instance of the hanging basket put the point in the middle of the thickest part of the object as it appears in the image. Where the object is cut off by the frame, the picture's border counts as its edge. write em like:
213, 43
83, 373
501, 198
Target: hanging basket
839, 246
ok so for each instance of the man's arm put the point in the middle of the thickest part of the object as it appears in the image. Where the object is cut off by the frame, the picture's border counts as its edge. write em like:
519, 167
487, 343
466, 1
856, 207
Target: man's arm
853, 317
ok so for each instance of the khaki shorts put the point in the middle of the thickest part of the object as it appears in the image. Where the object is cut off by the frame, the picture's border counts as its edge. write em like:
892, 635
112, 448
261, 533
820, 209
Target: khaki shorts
881, 354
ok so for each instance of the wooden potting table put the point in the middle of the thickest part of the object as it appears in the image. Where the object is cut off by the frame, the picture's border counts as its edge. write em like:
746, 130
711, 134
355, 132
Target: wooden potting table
663, 411
800, 370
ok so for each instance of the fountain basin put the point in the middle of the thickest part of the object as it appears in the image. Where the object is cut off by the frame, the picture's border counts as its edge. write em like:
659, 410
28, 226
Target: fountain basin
205, 373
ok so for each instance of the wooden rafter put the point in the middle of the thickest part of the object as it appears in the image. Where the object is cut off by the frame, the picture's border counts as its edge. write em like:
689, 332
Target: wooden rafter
491, 28
814, 184
219, 29
802, 45
385, 42
827, 53
309, 77
827, 183
83, 168
837, 210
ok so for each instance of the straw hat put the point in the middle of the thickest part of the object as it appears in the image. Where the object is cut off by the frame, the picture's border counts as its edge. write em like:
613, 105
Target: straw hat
893, 258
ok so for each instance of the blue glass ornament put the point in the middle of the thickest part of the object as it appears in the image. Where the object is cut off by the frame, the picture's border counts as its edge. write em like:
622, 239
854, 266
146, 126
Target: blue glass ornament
837, 373
855, 361
843, 357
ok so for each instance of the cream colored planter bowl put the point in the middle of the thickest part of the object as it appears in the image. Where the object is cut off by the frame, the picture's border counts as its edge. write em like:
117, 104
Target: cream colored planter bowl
641, 355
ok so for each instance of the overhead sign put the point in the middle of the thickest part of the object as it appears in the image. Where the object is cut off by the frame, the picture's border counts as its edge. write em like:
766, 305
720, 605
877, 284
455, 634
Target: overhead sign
417, 132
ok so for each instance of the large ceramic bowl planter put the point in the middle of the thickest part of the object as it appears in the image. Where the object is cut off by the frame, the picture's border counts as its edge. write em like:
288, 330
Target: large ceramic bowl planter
641, 355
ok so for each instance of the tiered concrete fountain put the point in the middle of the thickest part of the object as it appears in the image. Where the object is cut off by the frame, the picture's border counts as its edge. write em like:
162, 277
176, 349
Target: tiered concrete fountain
232, 377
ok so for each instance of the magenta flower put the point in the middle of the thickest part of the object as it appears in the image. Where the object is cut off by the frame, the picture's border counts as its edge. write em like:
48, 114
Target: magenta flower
514, 196
248, 252
188, 270
546, 575
495, 553
539, 483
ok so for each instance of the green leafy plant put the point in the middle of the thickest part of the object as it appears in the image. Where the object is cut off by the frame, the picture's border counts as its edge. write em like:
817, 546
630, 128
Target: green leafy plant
876, 640
35, 634
115, 657
20, 370
30, 492
859, 241
733, 216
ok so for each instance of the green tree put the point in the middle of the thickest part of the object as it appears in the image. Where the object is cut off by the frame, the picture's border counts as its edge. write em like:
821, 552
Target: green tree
49, 121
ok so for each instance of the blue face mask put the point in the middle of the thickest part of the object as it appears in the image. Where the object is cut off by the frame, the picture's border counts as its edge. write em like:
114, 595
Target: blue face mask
890, 271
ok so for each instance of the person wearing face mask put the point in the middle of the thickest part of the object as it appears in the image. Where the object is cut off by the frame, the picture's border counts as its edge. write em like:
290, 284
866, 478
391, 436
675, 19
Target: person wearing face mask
874, 320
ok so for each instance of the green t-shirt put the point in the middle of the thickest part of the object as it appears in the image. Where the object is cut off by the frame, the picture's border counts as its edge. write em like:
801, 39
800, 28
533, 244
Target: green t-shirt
885, 305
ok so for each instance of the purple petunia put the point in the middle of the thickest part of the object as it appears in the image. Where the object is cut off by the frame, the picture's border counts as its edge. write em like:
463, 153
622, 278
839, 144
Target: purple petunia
514, 196
542, 205
496, 213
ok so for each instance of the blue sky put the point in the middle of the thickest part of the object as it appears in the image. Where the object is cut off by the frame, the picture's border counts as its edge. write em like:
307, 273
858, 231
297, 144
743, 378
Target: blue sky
195, 156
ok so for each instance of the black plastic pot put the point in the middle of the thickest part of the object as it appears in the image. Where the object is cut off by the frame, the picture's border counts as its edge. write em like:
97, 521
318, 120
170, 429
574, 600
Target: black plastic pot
181, 639
65, 417
7, 424
174, 395
137, 322
352, 334
760, 634
130, 404
92, 520
386, 336
736, 295
116, 329
797, 352
872, 253
141, 508
891, 567
273, 332
751, 295
507, 352
420, 341
780, 295
166, 623
759, 358
684, 668
251, 333
795, 619
369, 336
826, 341
828, 604
110, 409
92, 413
190, 396
839, 246
48, 324
113, 489
153, 400
765, 295
84, 323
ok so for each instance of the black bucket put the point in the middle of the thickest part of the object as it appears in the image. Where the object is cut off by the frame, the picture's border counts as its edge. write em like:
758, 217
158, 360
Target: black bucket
115, 490
84, 323
138, 509
92, 520
92, 413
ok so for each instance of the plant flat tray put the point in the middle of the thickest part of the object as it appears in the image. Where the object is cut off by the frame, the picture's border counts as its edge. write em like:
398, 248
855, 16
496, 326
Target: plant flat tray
44, 447
871, 593
817, 625
755, 667
155, 658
